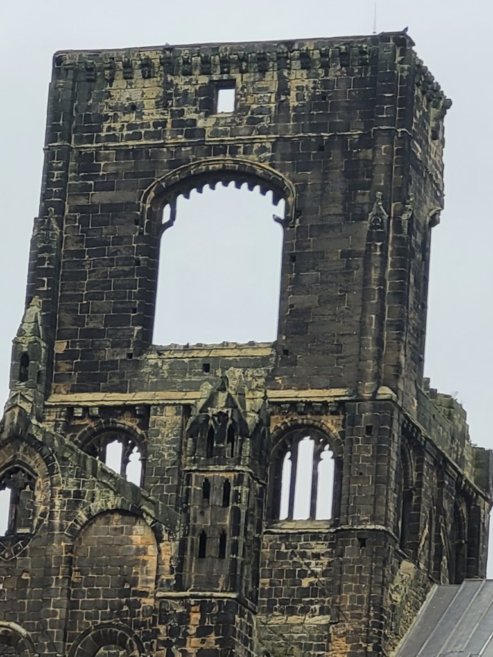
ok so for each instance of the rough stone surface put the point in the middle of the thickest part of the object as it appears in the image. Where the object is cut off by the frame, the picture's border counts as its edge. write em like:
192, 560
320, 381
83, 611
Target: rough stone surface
194, 561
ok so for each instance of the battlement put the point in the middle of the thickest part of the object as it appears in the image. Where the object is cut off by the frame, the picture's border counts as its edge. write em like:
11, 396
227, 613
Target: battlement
222, 59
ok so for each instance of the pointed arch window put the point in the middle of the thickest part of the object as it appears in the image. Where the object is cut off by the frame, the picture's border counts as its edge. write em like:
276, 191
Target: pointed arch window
231, 228
119, 451
223, 540
305, 478
24, 367
17, 497
405, 495
210, 442
226, 493
231, 439
457, 553
206, 491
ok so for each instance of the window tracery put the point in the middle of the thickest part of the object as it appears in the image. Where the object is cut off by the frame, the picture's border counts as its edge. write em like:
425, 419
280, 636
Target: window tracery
120, 452
305, 477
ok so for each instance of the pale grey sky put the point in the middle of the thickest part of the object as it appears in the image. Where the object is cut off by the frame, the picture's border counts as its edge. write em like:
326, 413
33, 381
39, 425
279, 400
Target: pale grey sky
454, 40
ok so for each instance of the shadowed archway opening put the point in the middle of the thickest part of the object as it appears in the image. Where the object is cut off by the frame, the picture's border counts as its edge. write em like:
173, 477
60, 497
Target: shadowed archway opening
220, 267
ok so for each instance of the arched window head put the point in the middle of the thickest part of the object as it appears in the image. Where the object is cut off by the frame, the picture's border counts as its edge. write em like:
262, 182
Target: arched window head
120, 452
24, 367
16, 502
457, 553
218, 243
304, 478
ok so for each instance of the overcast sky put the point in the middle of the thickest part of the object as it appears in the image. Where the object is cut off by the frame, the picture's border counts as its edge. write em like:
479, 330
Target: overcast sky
452, 37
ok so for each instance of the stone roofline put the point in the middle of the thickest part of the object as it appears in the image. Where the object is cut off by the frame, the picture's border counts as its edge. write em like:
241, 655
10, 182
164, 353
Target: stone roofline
260, 56
251, 45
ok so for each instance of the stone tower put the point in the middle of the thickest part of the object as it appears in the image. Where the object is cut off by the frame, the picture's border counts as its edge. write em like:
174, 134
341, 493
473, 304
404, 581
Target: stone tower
208, 556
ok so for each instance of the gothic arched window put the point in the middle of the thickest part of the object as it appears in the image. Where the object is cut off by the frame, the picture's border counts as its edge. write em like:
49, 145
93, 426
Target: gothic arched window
226, 493
221, 553
209, 448
457, 554
24, 367
231, 439
202, 551
305, 478
206, 491
16, 501
232, 229
120, 452
405, 494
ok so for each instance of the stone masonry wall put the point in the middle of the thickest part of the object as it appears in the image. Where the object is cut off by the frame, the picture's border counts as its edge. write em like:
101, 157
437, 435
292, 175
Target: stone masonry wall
195, 558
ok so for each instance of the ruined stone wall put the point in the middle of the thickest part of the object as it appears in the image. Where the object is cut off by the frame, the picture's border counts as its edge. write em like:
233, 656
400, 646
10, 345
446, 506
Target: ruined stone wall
328, 125
195, 559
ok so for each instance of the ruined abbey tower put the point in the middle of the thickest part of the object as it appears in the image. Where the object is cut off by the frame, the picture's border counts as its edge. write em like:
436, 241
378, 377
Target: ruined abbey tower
208, 553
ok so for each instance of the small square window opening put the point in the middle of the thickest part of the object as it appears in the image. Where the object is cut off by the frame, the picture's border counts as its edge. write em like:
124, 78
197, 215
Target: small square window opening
226, 100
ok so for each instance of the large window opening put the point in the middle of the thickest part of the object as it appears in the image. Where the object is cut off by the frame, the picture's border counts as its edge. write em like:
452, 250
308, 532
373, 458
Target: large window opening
220, 267
306, 479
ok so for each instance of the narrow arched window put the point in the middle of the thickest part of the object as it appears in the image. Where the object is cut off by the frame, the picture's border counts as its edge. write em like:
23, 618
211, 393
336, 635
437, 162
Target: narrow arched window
306, 478
202, 552
231, 439
17, 490
232, 230
24, 367
404, 485
209, 449
325, 484
5, 505
286, 483
222, 545
133, 470
226, 493
113, 457
206, 490
457, 546
431, 539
